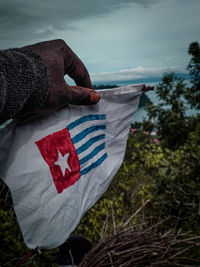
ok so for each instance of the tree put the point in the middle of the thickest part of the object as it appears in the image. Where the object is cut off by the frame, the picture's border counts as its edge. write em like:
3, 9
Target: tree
169, 116
193, 93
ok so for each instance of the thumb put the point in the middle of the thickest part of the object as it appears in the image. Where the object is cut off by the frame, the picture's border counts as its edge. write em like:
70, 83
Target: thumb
82, 96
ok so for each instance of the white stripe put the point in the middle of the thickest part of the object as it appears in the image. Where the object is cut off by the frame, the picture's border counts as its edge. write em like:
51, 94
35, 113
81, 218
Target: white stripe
95, 158
91, 148
84, 126
90, 135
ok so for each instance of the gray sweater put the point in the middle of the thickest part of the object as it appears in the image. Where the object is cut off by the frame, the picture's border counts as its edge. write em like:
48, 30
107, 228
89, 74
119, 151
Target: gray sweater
24, 83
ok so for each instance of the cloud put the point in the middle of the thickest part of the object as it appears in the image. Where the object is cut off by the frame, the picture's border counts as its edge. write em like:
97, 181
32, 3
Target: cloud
107, 35
35, 20
134, 73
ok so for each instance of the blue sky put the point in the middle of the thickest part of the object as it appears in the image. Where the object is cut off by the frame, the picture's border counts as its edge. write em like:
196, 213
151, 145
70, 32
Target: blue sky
116, 39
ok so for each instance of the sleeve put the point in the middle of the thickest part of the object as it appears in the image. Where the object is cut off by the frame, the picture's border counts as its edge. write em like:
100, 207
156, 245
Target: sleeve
24, 83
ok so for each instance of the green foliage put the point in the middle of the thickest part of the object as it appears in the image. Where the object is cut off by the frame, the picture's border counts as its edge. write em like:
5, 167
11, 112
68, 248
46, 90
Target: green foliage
193, 93
177, 186
169, 116
144, 100
170, 179
128, 190
11, 235
167, 173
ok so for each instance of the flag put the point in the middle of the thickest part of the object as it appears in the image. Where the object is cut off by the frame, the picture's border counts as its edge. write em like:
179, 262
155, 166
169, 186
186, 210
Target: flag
58, 166
75, 150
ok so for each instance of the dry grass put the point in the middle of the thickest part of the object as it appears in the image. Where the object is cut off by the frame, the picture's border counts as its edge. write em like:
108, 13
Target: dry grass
142, 244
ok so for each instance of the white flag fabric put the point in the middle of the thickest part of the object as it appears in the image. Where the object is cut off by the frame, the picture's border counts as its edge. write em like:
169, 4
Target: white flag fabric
58, 167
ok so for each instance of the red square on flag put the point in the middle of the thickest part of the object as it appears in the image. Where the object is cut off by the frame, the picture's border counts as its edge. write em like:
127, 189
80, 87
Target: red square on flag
60, 154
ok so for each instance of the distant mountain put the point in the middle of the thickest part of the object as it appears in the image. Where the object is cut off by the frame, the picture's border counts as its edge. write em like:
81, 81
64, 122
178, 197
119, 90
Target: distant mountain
103, 84
145, 98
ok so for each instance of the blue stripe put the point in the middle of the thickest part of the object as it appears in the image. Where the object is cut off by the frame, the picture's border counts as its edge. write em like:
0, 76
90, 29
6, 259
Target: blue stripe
85, 132
92, 154
90, 142
83, 119
94, 165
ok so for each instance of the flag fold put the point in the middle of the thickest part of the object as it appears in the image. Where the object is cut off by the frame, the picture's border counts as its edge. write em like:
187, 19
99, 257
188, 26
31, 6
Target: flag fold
57, 167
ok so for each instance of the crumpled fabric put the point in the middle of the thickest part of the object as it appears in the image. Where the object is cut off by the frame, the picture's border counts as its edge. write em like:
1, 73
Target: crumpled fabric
57, 167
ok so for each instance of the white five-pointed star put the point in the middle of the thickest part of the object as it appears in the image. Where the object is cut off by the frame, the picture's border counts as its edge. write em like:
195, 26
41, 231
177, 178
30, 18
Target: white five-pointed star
62, 162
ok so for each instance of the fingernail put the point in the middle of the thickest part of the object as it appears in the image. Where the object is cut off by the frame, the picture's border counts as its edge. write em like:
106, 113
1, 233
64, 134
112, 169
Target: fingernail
94, 97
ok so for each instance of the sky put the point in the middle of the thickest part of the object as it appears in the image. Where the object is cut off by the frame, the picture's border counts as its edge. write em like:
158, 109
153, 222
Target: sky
116, 39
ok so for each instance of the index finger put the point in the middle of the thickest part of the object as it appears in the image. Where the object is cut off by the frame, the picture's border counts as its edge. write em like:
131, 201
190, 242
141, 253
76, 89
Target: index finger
75, 68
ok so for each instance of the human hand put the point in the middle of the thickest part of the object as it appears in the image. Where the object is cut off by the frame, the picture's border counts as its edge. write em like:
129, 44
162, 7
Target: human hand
61, 60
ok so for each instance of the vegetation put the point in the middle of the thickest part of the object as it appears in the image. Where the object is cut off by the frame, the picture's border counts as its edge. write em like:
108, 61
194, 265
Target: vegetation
193, 93
164, 169
141, 244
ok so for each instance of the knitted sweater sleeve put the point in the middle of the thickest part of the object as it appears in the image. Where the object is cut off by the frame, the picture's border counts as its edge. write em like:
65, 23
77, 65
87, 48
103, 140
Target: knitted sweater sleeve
24, 83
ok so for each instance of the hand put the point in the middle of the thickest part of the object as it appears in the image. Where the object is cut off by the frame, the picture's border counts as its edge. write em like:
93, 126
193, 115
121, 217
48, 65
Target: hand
61, 60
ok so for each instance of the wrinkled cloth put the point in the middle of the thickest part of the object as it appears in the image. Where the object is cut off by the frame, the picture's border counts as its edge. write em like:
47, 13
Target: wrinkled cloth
59, 166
